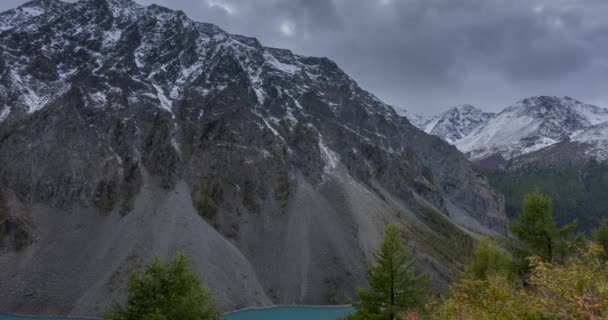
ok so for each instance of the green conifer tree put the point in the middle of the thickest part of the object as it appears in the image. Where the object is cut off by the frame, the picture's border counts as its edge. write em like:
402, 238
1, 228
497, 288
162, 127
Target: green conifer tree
535, 226
489, 259
395, 287
165, 291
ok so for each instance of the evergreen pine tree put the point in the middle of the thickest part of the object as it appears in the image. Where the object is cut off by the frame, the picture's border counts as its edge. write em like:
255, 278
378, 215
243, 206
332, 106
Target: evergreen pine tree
535, 226
394, 285
165, 291
489, 259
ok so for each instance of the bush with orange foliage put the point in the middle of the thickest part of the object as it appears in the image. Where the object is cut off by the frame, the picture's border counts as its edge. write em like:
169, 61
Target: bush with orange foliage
576, 289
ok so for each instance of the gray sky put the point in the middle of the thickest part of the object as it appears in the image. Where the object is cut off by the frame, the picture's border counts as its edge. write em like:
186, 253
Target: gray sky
428, 55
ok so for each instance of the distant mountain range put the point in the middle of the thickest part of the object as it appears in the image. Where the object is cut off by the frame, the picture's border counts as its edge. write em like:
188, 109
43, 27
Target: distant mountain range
555, 145
528, 126
452, 125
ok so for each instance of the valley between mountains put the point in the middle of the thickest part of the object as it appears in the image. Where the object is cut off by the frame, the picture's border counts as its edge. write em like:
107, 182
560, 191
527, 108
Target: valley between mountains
558, 146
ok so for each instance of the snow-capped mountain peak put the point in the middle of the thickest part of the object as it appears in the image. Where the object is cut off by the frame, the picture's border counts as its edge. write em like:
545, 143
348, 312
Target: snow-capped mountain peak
152, 50
451, 125
457, 122
530, 125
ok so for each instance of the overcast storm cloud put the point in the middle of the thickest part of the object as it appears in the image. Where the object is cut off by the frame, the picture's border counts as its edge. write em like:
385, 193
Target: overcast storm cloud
428, 55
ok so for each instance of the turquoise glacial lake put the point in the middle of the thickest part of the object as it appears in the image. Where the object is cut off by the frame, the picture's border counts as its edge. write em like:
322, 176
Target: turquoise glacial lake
278, 313
292, 313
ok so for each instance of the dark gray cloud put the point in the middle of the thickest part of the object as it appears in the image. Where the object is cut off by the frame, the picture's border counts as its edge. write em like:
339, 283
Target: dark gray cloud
427, 55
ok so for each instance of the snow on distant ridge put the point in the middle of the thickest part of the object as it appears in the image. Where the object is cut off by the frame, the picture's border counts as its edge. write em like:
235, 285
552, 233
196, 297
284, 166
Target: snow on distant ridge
596, 133
457, 122
596, 140
527, 126
451, 125
530, 125
417, 120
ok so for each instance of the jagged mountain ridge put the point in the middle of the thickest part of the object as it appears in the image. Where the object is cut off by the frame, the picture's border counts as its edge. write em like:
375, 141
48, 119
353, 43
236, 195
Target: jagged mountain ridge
457, 122
128, 132
530, 125
157, 75
451, 125
524, 128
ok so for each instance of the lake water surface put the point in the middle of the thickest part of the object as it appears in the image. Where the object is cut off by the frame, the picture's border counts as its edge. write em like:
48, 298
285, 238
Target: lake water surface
278, 313
292, 313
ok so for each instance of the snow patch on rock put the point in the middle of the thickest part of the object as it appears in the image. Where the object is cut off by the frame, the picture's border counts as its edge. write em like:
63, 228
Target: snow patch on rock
32, 11
283, 67
330, 158
4, 114
33, 101
165, 103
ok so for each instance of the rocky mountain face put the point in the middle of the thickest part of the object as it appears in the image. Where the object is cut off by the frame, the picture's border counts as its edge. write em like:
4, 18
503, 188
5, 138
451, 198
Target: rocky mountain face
128, 132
